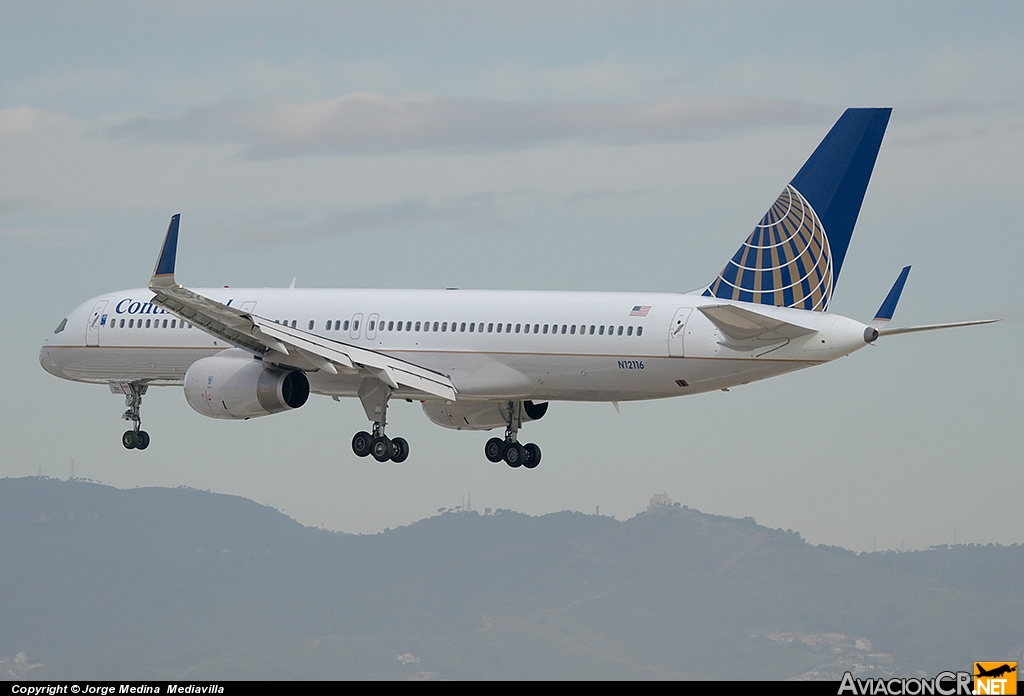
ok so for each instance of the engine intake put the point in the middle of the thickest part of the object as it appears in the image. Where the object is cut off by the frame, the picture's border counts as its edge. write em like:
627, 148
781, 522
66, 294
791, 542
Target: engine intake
234, 385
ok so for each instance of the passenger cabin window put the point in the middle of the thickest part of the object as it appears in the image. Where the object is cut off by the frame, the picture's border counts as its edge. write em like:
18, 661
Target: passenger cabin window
518, 327
639, 331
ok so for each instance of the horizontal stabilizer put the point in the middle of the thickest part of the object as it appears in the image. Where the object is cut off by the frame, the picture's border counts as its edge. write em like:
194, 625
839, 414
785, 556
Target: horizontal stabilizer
932, 327
742, 324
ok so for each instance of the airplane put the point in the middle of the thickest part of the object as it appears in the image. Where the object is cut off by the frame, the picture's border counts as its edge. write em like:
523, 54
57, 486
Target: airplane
485, 359
995, 672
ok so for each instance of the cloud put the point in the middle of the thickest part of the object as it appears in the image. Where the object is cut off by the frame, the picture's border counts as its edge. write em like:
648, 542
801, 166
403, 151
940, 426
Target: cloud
47, 236
471, 213
23, 120
361, 123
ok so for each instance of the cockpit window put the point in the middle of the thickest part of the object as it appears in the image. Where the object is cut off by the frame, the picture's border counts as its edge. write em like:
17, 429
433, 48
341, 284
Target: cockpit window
60, 326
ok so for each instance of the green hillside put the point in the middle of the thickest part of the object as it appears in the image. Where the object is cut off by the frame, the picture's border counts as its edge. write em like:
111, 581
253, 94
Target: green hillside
103, 583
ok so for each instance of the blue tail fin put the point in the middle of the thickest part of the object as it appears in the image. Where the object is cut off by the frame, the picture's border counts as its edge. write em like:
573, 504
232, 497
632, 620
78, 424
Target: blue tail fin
794, 255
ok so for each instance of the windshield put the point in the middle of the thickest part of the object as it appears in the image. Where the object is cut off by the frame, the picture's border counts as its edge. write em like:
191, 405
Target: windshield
60, 327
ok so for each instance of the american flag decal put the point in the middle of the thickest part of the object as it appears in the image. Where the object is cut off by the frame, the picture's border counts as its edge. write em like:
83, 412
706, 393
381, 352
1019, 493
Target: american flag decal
640, 311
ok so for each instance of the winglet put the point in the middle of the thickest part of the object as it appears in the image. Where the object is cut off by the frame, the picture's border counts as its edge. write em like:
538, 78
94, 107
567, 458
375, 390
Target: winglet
163, 274
885, 312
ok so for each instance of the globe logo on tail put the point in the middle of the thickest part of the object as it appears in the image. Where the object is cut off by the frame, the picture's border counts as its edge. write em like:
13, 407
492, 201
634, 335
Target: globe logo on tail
785, 262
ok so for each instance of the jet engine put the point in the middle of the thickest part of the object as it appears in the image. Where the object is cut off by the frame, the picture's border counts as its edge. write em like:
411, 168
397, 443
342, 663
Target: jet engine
469, 415
236, 386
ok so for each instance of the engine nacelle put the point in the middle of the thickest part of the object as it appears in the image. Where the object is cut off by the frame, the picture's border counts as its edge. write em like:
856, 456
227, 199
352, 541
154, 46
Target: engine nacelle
234, 385
486, 415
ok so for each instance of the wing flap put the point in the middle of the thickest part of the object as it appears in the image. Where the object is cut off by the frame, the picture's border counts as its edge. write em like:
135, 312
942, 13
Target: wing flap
388, 369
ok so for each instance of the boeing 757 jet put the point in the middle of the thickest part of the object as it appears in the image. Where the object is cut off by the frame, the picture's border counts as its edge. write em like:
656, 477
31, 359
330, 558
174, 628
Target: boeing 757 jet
485, 359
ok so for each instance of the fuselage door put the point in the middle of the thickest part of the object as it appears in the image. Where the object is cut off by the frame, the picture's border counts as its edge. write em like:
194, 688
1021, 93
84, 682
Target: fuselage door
97, 319
247, 307
371, 326
676, 331
354, 328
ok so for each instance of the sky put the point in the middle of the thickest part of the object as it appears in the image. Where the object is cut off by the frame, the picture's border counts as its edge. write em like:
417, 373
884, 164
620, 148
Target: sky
532, 145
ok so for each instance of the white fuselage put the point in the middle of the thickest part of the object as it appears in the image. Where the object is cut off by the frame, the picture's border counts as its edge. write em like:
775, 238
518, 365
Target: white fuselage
493, 345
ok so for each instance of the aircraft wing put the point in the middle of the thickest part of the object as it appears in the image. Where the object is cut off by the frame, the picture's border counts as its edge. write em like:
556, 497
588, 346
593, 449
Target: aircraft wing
281, 344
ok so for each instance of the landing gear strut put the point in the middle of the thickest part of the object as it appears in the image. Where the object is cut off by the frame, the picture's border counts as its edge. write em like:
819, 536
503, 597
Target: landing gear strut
510, 449
134, 438
374, 396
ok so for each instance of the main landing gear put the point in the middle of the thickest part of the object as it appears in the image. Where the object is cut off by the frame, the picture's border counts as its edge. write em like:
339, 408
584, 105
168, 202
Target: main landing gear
374, 396
510, 449
134, 438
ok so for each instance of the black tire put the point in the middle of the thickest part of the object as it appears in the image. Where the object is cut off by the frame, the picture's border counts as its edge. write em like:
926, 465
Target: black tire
514, 455
128, 439
399, 450
361, 443
494, 450
381, 448
142, 440
532, 456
